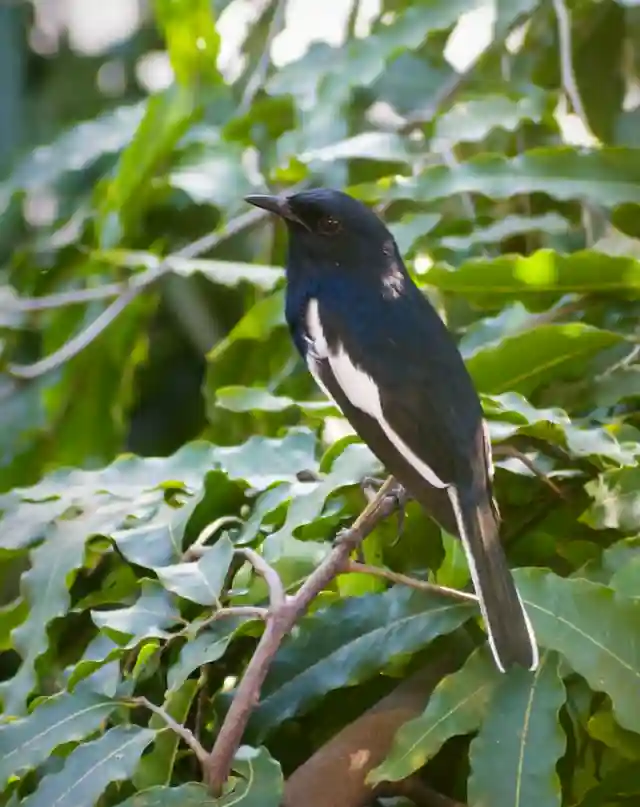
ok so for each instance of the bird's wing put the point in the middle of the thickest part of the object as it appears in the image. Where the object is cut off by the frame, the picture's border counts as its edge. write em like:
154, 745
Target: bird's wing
410, 378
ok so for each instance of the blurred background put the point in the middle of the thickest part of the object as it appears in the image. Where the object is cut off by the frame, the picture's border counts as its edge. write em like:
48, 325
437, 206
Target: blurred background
131, 129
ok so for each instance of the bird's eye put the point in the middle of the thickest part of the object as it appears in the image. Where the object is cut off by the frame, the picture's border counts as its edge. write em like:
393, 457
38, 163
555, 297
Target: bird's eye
328, 225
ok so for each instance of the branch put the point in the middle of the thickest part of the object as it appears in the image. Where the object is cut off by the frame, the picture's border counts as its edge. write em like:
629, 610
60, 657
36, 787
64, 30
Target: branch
281, 619
181, 731
277, 597
258, 77
404, 580
568, 76
505, 450
126, 294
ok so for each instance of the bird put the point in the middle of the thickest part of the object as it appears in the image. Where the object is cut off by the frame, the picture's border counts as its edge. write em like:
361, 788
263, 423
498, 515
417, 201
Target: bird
379, 350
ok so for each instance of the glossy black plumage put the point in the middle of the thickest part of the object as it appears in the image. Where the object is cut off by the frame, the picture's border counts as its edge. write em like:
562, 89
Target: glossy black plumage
377, 347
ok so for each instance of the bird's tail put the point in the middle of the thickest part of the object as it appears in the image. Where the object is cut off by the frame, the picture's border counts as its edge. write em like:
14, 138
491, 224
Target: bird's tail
511, 636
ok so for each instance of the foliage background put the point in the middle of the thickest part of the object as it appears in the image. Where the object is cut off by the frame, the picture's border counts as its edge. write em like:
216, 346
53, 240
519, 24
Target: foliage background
511, 181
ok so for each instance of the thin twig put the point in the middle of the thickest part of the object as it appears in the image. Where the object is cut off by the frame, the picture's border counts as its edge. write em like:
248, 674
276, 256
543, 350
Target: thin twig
568, 76
405, 580
181, 731
276, 590
248, 611
81, 340
258, 77
279, 623
506, 450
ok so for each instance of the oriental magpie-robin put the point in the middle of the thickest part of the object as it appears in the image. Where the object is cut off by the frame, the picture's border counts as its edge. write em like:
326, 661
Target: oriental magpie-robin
376, 347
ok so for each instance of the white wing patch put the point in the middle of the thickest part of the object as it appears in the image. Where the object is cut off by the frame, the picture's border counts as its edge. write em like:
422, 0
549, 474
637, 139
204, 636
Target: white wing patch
361, 390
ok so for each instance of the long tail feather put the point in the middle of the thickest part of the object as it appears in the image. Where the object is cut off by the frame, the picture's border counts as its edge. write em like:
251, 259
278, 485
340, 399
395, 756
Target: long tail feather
511, 635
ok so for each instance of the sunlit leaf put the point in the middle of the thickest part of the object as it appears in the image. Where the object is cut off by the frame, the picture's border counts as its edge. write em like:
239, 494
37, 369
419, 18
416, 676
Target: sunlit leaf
192, 39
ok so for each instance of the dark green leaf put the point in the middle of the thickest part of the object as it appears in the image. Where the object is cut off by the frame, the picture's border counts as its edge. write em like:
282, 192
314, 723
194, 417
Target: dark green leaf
259, 781
514, 756
209, 645
151, 615
594, 629
457, 706
189, 795
89, 768
349, 641
63, 718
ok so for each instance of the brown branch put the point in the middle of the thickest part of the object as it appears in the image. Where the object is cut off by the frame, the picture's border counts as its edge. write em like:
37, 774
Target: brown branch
405, 580
336, 774
181, 731
283, 615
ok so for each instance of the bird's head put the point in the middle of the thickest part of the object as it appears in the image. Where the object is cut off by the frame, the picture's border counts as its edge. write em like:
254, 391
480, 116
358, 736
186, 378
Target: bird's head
331, 230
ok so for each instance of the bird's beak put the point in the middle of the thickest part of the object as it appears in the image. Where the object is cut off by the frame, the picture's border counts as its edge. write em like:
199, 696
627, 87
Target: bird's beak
274, 204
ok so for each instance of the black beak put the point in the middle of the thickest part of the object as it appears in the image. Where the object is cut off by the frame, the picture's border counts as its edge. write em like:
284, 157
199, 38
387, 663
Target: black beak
274, 204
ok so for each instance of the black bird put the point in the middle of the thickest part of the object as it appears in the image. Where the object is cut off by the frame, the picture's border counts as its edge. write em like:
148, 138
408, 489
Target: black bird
376, 346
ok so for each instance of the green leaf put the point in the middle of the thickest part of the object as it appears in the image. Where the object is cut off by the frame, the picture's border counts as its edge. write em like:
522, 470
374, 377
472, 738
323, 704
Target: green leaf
510, 414
259, 781
411, 229
514, 756
156, 768
203, 580
189, 795
594, 629
223, 273
513, 277
349, 641
257, 324
457, 706
250, 399
76, 149
150, 615
261, 461
606, 176
552, 351
90, 767
62, 718
508, 227
603, 727
112, 496
209, 645
167, 117
472, 120
192, 39
385, 146
44, 587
